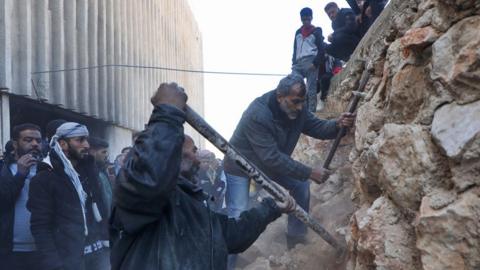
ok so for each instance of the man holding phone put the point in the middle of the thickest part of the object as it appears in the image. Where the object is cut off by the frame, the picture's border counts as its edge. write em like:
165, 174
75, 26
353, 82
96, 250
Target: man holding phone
17, 246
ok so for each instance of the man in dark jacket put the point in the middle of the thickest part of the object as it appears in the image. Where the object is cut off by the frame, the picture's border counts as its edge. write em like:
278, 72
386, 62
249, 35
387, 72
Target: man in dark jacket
308, 55
17, 246
161, 220
367, 12
67, 214
212, 178
344, 38
266, 135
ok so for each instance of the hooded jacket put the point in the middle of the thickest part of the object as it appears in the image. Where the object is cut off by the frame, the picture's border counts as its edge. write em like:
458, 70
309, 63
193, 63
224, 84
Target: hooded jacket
309, 46
163, 221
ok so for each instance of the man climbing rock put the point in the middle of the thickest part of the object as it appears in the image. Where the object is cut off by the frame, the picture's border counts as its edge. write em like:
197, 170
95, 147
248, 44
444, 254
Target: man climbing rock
161, 219
266, 135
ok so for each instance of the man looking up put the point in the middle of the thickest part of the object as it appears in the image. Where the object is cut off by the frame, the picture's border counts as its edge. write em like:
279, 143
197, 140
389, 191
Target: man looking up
308, 55
17, 246
161, 218
266, 135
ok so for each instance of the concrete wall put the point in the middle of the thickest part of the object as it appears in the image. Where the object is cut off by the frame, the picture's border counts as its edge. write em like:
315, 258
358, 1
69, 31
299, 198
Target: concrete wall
46, 35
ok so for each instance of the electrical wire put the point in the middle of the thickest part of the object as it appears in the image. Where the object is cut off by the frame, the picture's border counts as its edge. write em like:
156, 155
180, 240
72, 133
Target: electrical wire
159, 68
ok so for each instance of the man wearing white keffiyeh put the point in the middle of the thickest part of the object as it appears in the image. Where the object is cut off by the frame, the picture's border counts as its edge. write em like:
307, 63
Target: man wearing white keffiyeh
67, 207
70, 130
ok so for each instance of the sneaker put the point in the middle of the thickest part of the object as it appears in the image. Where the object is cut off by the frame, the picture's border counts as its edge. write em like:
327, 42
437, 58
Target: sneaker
320, 105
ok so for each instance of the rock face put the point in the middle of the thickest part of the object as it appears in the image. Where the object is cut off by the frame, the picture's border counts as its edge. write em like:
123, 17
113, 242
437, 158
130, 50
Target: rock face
416, 160
449, 237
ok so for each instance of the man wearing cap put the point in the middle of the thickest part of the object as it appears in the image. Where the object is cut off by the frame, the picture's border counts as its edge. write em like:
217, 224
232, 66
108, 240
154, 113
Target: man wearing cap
65, 205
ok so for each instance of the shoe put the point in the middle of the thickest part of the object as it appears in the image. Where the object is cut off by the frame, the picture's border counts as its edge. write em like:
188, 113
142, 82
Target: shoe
320, 105
292, 241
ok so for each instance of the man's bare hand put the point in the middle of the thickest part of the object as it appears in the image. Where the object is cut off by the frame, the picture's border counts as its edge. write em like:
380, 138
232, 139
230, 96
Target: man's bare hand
346, 120
320, 175
287, 206
170, 93
24, 163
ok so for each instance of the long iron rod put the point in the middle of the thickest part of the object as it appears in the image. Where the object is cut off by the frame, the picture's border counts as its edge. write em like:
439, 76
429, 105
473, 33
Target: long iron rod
351, 109
278, 192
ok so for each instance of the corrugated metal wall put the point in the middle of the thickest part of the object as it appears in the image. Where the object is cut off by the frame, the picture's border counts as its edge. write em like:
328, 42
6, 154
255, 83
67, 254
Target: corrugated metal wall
42, 35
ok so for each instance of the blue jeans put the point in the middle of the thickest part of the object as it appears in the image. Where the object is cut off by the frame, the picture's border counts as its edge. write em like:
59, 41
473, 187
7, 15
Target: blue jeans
237, 199
302, 68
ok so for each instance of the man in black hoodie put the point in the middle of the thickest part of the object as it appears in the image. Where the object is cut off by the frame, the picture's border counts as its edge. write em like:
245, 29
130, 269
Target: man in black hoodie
161, 219
344, 38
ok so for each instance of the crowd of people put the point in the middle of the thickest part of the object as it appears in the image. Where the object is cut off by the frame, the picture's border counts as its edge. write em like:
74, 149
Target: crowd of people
317, 60
162, 203
56, 195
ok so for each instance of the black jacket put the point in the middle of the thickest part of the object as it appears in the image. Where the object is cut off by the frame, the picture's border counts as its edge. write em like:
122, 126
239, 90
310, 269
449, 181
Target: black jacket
161, 221
57, 221
344, 21
10, 188
376, 7
267, 138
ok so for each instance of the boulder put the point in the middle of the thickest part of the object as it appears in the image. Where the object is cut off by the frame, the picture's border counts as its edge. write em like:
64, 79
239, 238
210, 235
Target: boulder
404, 162
449, 238
456, 58
456, 129
384, 238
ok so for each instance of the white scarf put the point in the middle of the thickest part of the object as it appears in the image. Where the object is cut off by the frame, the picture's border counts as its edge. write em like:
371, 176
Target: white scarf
70, 130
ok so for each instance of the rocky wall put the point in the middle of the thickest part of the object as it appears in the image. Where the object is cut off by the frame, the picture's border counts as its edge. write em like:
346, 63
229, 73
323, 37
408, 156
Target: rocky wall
406, 189
416, 160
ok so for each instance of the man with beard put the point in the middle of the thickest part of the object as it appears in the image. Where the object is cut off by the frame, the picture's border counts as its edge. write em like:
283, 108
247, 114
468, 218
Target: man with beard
99, 151
190, 163
65, 203
161, 219
17, 246
266, 135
